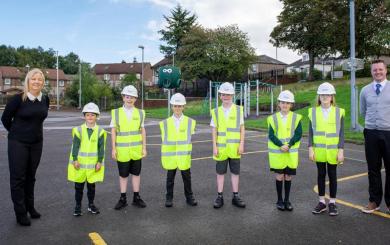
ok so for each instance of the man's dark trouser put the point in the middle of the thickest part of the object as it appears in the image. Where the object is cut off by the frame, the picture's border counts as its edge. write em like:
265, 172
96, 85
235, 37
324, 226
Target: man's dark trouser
377, 147
186, 175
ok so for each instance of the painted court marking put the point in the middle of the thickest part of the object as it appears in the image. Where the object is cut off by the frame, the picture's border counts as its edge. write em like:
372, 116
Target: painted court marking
349, 204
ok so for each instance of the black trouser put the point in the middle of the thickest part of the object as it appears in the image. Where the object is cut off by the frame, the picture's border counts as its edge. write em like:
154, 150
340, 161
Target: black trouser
23, 163
79, 187
377, 147
186, 175
322, 168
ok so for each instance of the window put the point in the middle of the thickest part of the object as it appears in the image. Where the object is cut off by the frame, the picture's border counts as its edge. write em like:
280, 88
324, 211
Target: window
47, 82
7, 81
106, 77
61, 83
138, 76
254, 67
121, 76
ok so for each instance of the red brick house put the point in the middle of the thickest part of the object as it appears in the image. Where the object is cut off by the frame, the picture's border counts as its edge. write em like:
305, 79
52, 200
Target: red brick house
114, 72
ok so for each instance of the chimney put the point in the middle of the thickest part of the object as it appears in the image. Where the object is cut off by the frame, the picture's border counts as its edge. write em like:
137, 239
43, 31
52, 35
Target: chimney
135, 60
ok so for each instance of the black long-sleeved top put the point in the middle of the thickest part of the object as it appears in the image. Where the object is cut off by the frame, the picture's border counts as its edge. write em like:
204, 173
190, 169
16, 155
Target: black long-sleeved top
296, 137
76, 146
24, 119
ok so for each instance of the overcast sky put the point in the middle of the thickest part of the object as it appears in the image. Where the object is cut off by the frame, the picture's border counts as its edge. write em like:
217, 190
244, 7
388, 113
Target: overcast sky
109, 31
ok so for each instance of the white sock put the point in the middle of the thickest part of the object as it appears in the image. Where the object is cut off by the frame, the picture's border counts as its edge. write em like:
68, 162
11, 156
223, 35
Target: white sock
332, 200
322, 199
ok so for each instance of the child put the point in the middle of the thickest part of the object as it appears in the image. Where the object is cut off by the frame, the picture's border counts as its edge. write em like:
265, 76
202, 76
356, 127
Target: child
284, 135
86, 161
228, 134
128, 138
176, 149
326, 143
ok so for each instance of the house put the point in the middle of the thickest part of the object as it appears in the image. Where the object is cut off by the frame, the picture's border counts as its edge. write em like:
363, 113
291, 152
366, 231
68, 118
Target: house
265, 63
325, 65
12, 80
114, 72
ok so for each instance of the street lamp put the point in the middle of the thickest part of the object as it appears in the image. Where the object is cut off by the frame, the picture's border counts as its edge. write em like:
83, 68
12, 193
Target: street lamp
142, 77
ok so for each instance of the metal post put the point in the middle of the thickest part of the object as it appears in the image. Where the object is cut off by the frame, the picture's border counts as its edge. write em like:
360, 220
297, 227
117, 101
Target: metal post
58, 95
80, 85
210, 96
276, 73
169, 98
142, 77
240, 94
272, 101
332, 71
216, 96
234, 96
249, 98
352, 61
257, 98
245, 100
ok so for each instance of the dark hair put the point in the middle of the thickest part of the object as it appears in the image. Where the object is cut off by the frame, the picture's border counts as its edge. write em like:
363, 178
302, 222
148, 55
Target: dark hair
378, 61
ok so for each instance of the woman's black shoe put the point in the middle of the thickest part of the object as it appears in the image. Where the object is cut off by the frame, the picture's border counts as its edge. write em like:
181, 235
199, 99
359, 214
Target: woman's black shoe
23, 220
34, 213
288, 206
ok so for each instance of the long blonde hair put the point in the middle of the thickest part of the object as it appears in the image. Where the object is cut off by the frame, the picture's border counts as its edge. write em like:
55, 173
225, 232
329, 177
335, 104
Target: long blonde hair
29, 75
332, 102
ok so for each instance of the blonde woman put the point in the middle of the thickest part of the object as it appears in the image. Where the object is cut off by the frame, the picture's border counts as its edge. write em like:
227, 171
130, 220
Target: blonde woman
23, 118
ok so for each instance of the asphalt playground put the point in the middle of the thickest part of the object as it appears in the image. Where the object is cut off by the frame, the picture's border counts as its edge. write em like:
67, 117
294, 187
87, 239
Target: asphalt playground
258, 223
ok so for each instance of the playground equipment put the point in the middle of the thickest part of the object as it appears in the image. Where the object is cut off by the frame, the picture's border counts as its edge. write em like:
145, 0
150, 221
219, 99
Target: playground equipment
242, 94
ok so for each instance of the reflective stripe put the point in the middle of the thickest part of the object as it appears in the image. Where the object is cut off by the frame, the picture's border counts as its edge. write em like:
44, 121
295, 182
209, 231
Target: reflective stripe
87, 154
179, 142
313, 119
233, 129
332, 135
238, 118
337, 121
128, 144
128, 133
216, 117
221, 133
278, 151
87, 165
274, 117
326, 146
318, 133
285, 139
221, 145
141, 116
178, 153
232, 141
99, 131
116, 112
294, 118
80, 132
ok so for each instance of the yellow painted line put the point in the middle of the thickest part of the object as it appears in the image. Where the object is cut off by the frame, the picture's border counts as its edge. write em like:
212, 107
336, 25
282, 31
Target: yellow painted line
96, 239
349, 204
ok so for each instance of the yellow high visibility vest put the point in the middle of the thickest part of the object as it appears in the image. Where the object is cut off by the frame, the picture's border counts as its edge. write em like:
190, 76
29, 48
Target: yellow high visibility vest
128, 134
176, 146
326, 133
228, 129
87, 156
284, 132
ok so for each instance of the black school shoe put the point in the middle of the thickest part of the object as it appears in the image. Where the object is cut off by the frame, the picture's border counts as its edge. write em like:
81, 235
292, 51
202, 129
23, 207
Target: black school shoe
121, 203
191, 201
320, 208
77, 211
280, 205
138, 202
34, 213
93, 209
238, 202
168, 203
288, 206
332, 209
218, 203
23, 220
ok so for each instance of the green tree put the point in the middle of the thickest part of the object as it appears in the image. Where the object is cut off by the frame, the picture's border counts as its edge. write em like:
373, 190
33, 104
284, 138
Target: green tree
69, 63
8, 56
301, 27
130, 79
178, 25
222, 54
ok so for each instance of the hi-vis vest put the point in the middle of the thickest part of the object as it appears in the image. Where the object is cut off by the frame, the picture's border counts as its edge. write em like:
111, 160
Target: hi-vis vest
128, 134
87, 156
176, 145
284, 132
326, 133
228, 129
